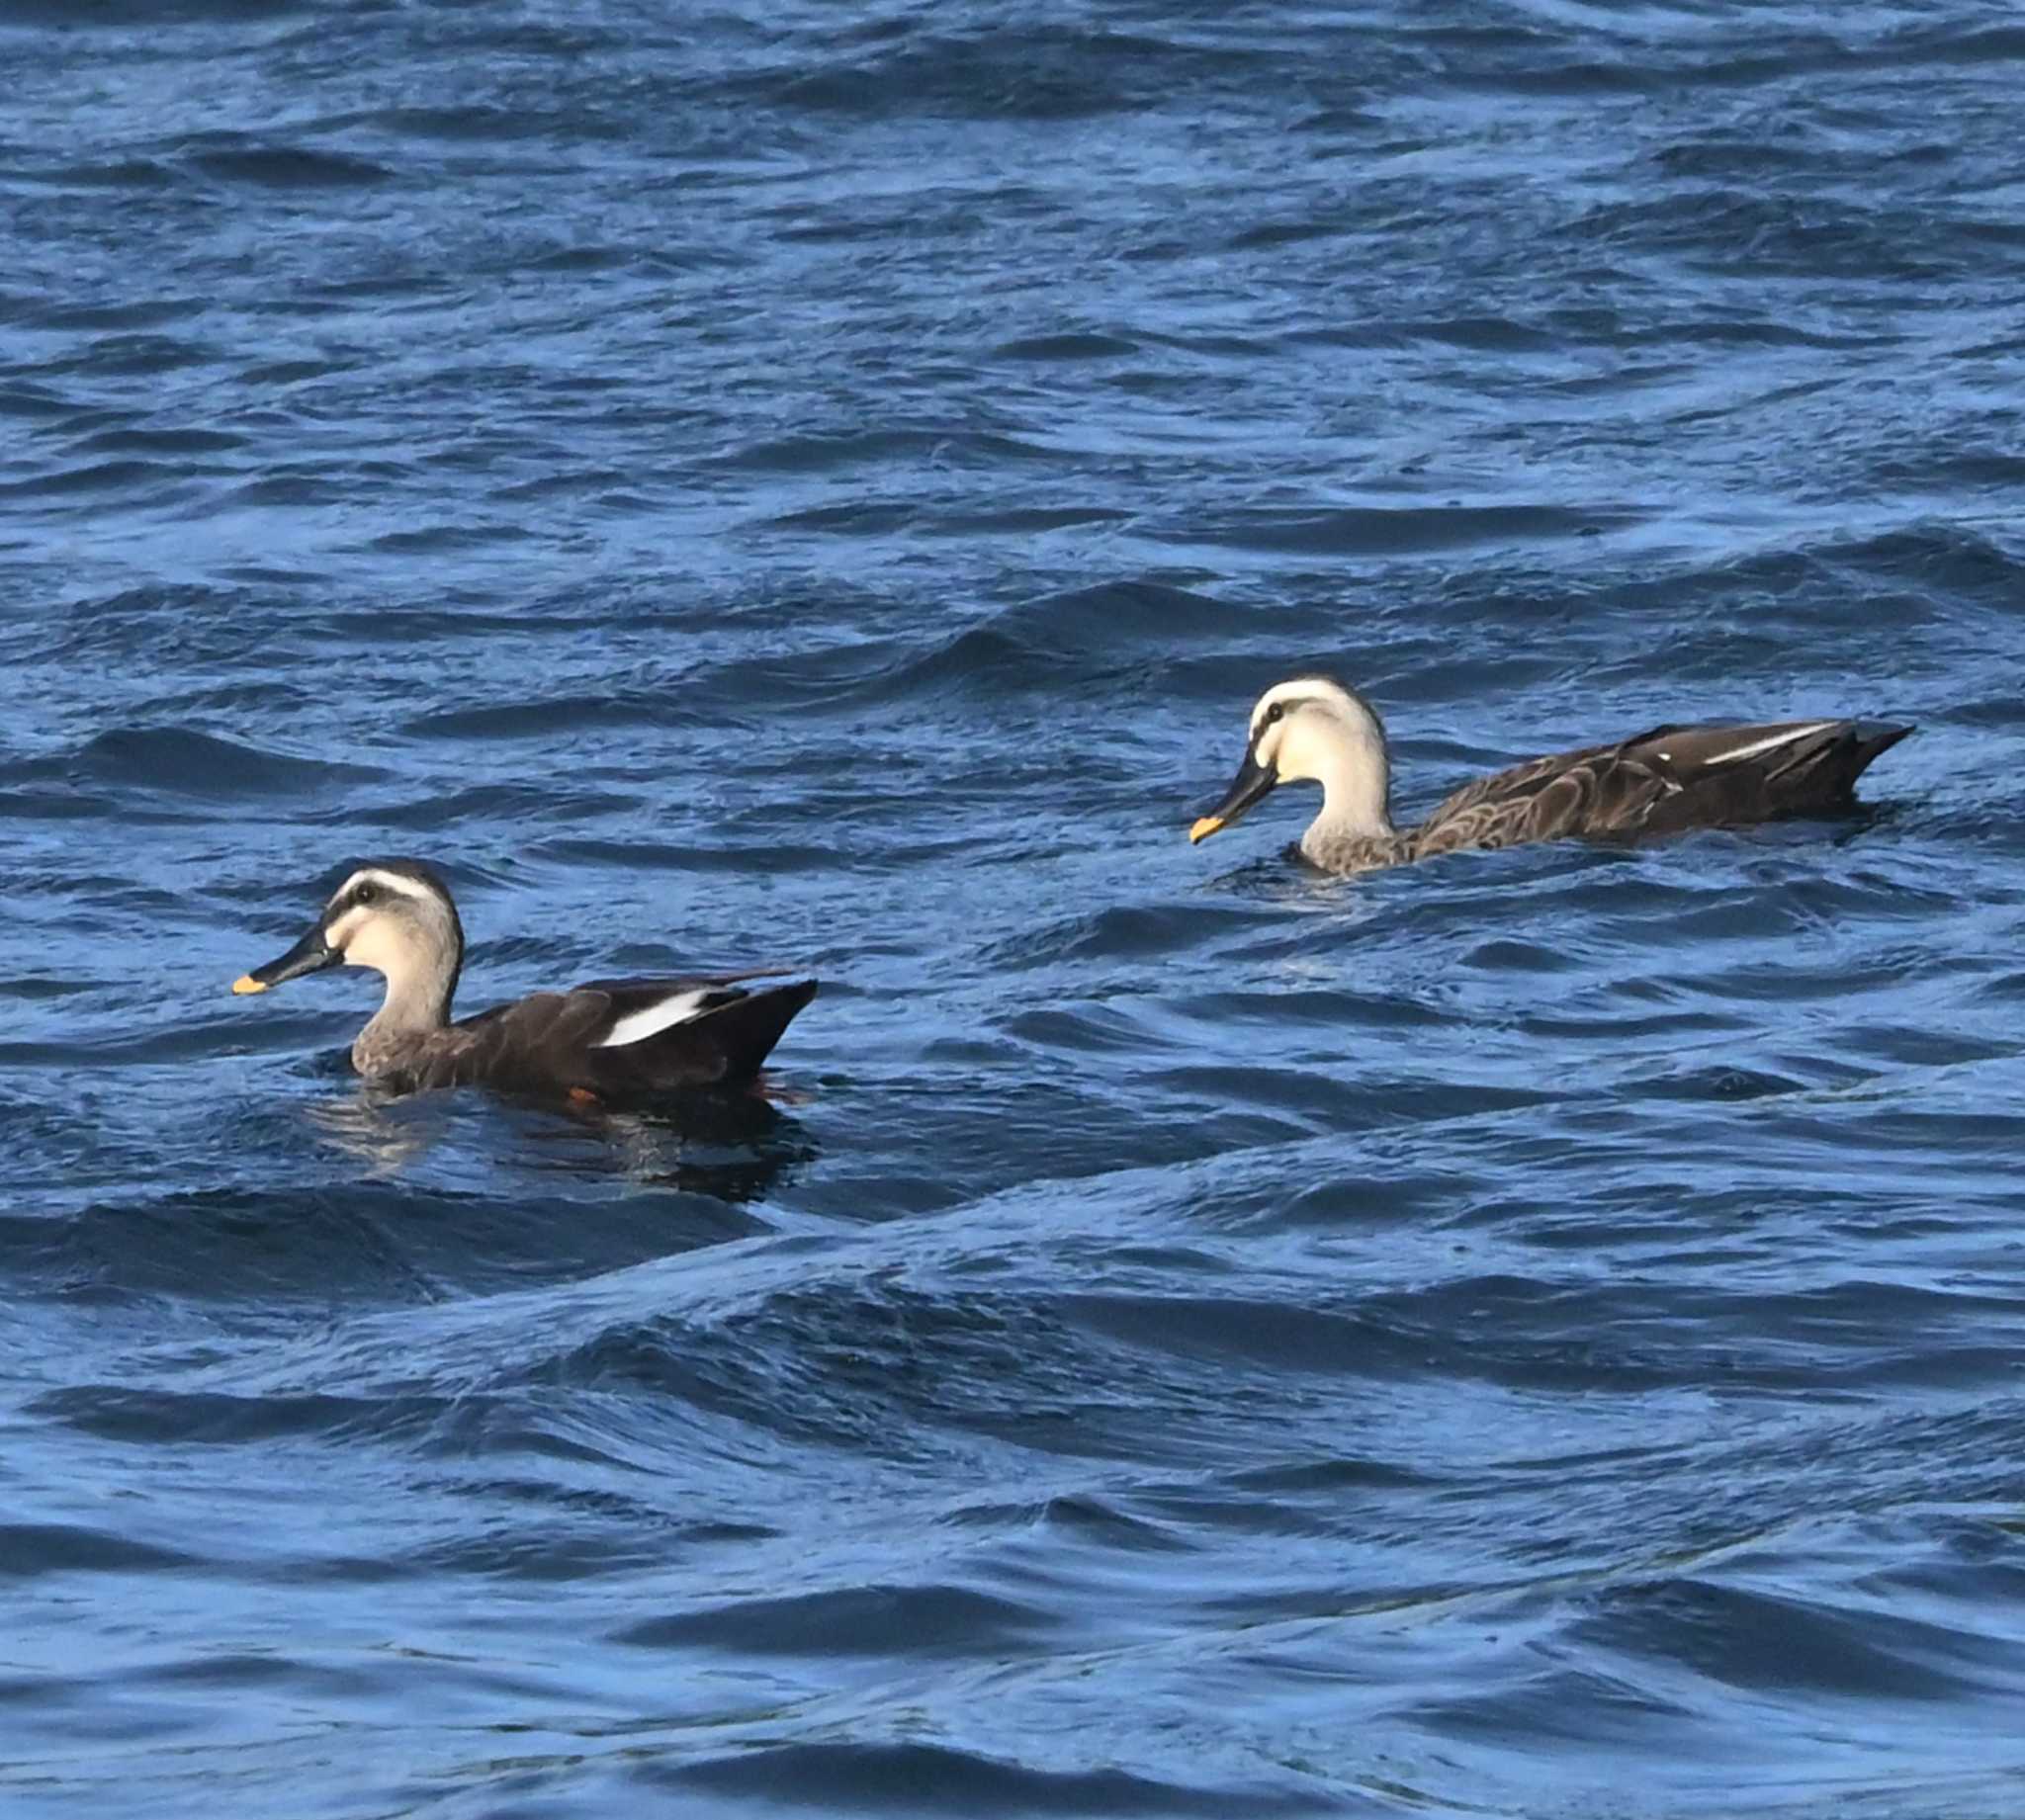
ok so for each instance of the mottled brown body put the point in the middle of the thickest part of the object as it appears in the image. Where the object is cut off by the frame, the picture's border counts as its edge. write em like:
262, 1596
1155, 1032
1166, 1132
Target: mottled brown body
609, 1041
1670, 779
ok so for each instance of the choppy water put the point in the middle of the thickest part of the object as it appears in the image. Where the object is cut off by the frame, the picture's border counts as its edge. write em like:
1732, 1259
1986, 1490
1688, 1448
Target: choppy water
1539, 1334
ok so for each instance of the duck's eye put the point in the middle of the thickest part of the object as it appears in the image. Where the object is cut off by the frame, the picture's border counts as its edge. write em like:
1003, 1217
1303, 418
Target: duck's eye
1274, 712
367, 893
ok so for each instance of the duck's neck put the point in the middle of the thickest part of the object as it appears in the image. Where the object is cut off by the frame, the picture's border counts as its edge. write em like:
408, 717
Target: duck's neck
1356, 786
418, 1001
417, 1005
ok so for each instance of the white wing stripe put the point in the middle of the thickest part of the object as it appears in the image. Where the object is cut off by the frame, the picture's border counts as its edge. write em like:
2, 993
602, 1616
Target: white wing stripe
1765, 746
676, 1008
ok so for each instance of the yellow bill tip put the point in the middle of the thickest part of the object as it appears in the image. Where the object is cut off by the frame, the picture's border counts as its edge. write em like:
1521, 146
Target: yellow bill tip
246, 983
1204, 828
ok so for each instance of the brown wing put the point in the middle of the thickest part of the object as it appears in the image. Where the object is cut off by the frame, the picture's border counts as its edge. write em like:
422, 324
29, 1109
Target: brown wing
1734, 774
723, 1044
1672, 777
1598, 789
541, 1044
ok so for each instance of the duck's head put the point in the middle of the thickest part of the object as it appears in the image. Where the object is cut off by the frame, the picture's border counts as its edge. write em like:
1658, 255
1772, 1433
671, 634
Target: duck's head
394, 915
1311, 730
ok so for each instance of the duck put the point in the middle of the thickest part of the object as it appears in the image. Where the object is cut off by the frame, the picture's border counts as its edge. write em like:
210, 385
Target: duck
610, 1041
1316, 729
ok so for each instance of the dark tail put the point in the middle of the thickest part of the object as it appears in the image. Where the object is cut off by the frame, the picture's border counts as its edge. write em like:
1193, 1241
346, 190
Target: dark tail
1813, 776
1866, 741
744, 1031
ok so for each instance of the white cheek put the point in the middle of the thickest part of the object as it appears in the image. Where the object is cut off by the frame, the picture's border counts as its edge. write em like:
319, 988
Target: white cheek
365, 940
1290, 756
1269, 743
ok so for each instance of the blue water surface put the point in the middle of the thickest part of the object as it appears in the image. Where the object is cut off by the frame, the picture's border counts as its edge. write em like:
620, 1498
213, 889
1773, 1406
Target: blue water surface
1531, 1334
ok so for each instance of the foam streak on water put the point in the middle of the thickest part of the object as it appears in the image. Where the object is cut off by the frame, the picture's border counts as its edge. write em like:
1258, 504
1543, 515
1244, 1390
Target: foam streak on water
1536, 1335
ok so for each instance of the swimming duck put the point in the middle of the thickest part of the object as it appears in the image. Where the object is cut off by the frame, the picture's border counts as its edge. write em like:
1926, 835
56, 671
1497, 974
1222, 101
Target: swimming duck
1313, 729
621, 1040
